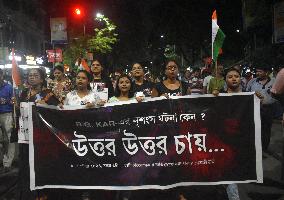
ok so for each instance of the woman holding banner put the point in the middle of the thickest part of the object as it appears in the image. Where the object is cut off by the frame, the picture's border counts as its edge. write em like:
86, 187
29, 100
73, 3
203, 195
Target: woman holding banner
39, 94
37, 91
233, 83
83, 95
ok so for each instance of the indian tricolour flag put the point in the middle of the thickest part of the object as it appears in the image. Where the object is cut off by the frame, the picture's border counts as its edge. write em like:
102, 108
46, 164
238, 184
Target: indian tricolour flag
15, 71
217, 37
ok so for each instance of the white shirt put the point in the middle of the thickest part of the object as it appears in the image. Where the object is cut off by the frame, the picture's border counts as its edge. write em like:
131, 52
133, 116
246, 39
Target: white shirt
264, 90
73, 99
206, 81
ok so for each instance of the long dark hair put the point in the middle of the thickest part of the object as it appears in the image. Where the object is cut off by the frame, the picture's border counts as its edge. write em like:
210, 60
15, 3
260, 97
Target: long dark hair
89, 77
117, 90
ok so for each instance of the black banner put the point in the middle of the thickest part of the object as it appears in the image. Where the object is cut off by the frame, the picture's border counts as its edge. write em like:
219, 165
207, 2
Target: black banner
155, 144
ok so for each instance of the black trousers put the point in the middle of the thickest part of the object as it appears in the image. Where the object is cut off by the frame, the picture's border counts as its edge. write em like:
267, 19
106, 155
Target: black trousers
24, 192
266, 113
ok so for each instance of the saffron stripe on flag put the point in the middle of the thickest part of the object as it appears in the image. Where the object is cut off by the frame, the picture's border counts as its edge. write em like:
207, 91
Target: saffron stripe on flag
15, 71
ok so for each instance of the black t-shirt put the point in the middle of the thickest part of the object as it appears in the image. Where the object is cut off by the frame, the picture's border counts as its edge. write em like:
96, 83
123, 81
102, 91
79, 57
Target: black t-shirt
146, 88
162, 89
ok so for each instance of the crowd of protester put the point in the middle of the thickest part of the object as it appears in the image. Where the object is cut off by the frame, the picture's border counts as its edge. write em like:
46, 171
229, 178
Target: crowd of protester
95, 88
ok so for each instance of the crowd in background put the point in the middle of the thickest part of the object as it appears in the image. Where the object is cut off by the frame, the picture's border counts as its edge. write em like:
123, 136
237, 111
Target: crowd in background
93, 88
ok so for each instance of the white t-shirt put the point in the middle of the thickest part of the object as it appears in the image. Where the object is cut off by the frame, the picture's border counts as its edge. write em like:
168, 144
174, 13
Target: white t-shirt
73, 99
206, 81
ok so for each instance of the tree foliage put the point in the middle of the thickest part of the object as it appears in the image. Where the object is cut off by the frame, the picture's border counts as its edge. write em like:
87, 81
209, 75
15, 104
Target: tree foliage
101, 42
76, 49
104, 38
170, 52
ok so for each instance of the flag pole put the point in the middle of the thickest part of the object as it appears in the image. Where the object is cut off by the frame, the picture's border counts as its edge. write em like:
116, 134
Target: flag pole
16, 83
14, 92
216, 81
14, 109
216, 65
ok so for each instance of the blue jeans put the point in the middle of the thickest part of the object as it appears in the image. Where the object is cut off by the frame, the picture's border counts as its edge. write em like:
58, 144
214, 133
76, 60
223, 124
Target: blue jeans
232, 192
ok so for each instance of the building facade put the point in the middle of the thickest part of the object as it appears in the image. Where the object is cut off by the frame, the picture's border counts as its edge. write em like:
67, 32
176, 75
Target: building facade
22, 23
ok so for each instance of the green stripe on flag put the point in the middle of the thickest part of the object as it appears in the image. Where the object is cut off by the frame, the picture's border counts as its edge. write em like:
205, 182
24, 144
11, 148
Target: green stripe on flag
218, 43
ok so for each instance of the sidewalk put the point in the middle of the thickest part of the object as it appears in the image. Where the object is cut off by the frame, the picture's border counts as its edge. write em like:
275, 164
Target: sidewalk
273, 186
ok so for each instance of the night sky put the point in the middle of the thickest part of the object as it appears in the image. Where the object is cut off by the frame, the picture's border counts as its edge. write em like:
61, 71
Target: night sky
185, 23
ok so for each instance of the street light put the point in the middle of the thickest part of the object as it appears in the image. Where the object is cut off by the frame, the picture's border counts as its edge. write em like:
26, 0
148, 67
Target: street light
78, 11
99, 15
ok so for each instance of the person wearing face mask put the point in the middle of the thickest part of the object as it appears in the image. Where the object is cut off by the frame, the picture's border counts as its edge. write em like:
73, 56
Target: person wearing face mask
60, 85
171, 86
101, 84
